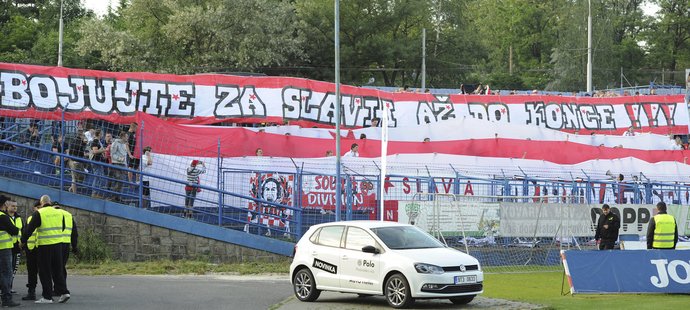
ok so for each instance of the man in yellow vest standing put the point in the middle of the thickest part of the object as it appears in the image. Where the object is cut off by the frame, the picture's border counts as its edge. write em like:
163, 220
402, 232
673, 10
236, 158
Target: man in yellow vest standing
7, 231
49, 222
16, 250
662, 232
32, 259
69, 238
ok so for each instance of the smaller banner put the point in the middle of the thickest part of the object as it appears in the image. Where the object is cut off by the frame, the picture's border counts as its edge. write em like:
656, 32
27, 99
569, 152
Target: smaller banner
318, 192
273, 187
655, 271
451, 217
546, 220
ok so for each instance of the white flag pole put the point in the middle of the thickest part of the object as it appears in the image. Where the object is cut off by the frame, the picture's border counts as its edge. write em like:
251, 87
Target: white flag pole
384, 155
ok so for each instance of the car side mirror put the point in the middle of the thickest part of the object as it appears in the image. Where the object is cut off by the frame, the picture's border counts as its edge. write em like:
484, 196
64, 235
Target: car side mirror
370, 249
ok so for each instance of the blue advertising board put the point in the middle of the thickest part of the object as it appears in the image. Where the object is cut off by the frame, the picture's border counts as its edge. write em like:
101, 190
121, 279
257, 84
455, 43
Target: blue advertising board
643, 271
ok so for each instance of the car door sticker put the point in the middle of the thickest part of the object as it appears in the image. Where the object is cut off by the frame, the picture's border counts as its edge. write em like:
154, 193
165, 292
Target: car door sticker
319, 264
364, 265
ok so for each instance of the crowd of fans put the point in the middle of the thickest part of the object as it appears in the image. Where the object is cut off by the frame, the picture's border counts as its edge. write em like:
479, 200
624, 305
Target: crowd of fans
99, 142
485, 89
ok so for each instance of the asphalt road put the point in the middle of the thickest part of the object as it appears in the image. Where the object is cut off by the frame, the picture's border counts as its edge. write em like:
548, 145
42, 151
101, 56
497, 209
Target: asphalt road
333, 300
167, 292
219, 292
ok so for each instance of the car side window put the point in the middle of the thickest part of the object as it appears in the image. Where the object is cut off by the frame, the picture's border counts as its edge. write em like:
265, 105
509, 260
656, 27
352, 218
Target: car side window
315, 236
358, 238
331, 236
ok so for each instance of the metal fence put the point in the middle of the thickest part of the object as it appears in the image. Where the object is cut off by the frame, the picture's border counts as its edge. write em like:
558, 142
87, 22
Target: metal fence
281, 198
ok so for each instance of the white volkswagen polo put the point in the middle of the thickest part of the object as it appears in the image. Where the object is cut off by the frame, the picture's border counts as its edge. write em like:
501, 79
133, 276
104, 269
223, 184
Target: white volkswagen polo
396, 260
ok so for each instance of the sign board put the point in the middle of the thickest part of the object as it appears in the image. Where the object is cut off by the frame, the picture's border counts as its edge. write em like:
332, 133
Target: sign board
655, 271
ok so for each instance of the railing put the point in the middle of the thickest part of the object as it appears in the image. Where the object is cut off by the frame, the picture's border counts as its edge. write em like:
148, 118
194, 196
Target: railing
38, 166
284, 204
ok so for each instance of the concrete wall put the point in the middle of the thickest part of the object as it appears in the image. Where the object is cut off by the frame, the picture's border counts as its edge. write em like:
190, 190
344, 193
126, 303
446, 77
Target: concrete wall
135, 241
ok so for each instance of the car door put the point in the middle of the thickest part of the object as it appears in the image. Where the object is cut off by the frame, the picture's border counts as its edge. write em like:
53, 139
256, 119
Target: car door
359, 270
325, 255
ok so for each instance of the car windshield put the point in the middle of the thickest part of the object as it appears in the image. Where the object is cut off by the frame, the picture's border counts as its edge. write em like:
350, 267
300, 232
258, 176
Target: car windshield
406, 237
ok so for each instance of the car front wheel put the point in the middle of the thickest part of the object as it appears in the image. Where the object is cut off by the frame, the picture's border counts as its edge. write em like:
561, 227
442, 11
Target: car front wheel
463, 300
397, 291
304, 285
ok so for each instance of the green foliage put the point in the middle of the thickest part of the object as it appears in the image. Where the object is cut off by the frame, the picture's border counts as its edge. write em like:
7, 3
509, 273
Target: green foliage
186, 37
505, 81
92, 248
668, 37
509, 44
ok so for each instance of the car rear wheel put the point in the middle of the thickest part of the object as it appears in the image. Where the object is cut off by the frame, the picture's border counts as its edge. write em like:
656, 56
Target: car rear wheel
304, 285
462, 300
397, 292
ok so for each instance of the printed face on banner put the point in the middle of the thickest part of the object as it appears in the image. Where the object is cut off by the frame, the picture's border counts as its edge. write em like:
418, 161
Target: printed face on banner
270, 190
213, 98
272, 187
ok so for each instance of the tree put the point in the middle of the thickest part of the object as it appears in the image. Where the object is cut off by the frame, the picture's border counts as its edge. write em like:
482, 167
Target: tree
519, 36
179, 36
455, 51
616, 25
379, 38
669, 37
29, 30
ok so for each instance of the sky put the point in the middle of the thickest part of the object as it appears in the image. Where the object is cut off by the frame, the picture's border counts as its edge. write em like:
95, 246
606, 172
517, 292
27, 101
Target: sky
101, 6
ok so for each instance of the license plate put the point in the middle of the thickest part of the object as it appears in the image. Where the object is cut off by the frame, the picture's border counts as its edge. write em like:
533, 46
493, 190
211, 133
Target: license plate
465, 279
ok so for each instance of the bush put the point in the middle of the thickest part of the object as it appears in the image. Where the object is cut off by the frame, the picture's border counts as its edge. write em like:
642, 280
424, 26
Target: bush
505, 81
92, 248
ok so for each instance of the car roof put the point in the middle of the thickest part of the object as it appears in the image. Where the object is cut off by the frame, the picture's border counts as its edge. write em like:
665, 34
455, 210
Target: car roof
364, 224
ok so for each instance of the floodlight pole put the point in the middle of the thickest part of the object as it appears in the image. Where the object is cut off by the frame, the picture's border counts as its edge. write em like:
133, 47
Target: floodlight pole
589, 47
423, 59
338, 186
61, 28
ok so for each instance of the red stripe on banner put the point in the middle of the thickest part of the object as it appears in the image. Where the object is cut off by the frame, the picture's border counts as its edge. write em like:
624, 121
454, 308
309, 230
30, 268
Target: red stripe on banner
238, 142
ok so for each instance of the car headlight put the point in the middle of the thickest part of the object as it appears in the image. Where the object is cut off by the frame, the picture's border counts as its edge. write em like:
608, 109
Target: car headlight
428, 268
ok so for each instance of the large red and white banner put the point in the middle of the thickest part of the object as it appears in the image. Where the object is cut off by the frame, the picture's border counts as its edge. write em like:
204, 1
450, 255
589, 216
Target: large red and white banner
211, 98
212, 141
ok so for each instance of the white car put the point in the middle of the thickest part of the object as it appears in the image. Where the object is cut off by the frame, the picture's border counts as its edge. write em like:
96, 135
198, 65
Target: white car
399, 261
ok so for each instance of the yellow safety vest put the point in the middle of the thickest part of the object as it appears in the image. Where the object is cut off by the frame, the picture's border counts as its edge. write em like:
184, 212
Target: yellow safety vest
6, 240
50, 232
67, 234
664, 231
19, 225
31, 242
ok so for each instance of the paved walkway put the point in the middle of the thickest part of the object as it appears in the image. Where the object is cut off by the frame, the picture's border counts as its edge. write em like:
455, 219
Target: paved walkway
332, 300
209, 292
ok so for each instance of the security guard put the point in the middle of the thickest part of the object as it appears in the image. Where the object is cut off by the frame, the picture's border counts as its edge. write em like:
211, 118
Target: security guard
69, 239
32, 259
49, 222
7, 231
662, 232
16, 250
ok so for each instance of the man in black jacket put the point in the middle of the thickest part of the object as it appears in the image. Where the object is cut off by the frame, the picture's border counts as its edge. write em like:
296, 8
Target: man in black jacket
7, 230
607, 228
